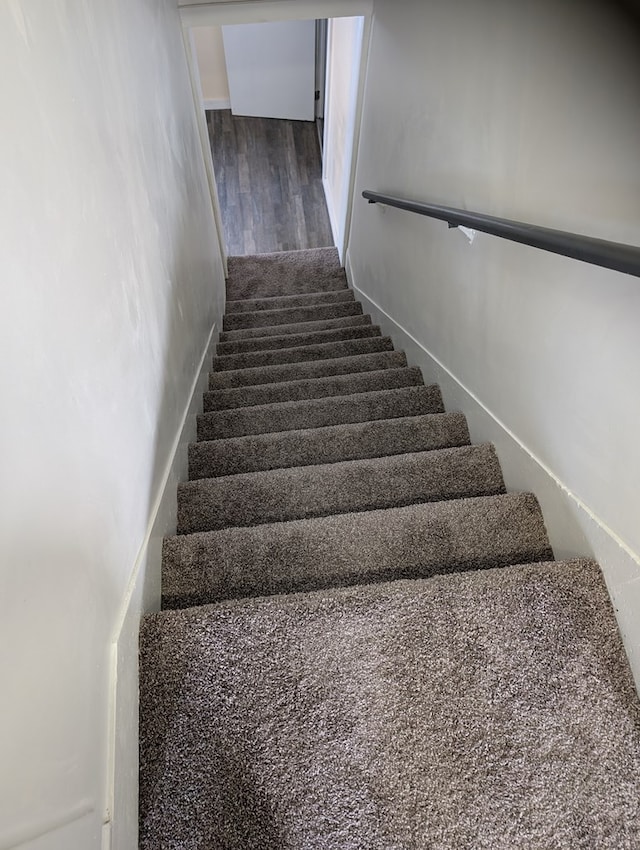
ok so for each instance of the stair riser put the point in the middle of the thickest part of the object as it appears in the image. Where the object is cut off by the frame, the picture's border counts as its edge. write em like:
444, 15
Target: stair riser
417, 541
252, 305
302, 492
332, 444
264, 318
305, 371
326, 351
317, 413
387, 379
299, 327
271, 343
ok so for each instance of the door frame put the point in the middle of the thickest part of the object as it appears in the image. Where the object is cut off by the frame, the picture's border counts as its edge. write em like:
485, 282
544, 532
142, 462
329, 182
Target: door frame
263, 11
322, 26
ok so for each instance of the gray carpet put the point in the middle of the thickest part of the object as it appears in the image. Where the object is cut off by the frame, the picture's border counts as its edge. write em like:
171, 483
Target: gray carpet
250, 305
365, 644
300, 353
290, 315
353, 548
354, 382
353, 441
333, 488
285, 273
296, 327
477, 711
310, 369
316, 412
293, 340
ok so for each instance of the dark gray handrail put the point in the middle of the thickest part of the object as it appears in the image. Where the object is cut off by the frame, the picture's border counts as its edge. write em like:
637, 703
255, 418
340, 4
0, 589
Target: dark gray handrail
598, 252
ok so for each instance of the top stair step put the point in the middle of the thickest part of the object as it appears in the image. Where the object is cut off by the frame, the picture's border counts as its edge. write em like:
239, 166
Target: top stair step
285, 273
252, 305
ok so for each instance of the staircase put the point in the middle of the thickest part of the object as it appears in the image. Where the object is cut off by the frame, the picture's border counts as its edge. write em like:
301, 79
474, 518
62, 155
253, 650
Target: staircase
365, 643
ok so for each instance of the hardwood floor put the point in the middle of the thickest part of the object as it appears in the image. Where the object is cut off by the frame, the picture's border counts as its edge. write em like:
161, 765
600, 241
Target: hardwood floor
268, 173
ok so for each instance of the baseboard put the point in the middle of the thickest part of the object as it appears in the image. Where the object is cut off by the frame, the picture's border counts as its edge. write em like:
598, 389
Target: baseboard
216, 103
142, 596
574, 530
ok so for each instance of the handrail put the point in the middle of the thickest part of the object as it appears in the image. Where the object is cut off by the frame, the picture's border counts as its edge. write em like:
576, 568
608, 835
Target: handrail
598, 252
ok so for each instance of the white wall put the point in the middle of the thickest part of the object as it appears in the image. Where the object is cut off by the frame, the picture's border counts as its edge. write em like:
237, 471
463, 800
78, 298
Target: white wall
344, 49
111, 285
212, 67
529, 111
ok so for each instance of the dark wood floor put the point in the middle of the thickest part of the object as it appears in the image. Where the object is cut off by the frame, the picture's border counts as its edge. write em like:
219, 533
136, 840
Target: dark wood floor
268, 173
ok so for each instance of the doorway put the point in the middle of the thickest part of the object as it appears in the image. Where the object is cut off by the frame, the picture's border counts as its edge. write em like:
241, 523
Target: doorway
318, 208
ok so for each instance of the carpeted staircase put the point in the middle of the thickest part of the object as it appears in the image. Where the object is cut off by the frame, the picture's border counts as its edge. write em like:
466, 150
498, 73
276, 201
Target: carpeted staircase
365, 642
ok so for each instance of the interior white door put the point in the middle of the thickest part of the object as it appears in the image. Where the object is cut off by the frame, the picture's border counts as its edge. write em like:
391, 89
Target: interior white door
271, 69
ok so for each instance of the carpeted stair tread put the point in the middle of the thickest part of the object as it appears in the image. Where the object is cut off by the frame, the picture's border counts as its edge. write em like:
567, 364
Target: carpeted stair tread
297, 327
285, 273
306, 370
269, 343
297, 354
250, 305
492, 710
333, 443
254, 498
415, 541
318, 412
290, 315
355, 382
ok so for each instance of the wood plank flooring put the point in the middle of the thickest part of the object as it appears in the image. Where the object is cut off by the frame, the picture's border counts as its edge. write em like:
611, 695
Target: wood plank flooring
269, 180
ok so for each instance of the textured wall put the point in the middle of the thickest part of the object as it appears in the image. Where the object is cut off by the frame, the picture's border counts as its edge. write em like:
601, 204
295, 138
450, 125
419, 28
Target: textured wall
530, 111
111, 281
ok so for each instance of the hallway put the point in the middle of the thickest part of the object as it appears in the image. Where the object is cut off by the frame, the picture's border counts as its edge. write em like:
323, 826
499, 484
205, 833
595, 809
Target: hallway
269, 177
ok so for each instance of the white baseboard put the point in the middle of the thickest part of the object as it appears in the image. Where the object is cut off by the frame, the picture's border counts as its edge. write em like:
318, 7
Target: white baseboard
574, 530
143, 596
216, 103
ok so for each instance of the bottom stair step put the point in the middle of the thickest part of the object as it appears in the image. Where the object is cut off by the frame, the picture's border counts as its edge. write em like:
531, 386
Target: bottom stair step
356, 548
492, 710
279, 495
